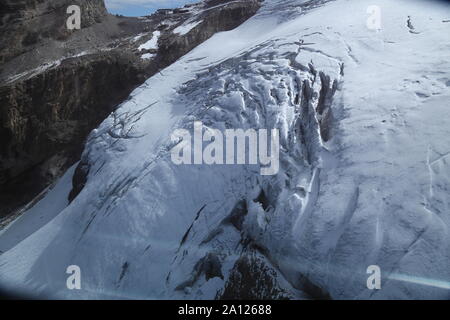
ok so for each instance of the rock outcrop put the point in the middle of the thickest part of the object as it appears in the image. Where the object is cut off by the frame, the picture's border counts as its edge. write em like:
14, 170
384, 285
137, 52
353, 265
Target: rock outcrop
56, 85
24, 23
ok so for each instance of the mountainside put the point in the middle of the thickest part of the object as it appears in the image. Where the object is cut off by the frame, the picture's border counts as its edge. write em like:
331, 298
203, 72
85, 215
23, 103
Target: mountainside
56, 85
24, 23
364, 176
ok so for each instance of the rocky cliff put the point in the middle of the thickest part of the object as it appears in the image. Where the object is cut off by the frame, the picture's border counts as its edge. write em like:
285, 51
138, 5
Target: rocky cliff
36, 22
56, 85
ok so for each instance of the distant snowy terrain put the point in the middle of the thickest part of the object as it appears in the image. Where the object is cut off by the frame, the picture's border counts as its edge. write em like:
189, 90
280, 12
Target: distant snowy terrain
364, 120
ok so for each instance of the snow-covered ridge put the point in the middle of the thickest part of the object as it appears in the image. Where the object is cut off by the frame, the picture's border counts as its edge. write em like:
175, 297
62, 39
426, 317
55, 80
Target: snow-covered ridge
364, 178
152, 43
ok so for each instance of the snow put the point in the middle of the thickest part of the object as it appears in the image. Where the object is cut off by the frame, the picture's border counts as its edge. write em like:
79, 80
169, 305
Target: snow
364, 180
152, 43
147, 56
40, 214
51, 65
186, 27
138, 37
41, 69
81, 54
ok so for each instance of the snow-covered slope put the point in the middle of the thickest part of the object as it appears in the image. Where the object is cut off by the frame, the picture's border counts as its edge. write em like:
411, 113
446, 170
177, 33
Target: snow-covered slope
364, 180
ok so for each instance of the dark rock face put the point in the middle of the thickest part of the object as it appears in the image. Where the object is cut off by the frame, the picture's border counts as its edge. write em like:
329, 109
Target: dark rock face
49, 116
57, 85
252, 278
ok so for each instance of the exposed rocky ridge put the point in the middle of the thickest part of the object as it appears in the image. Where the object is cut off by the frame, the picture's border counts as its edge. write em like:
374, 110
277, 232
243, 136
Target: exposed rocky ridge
253, 278
57, 85
28, 22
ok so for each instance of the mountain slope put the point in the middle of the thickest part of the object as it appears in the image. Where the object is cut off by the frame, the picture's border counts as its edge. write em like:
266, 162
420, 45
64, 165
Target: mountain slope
57, 85
364, 168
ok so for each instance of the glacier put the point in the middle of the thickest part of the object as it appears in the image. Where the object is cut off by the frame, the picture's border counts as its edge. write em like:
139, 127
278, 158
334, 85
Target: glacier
364, 176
